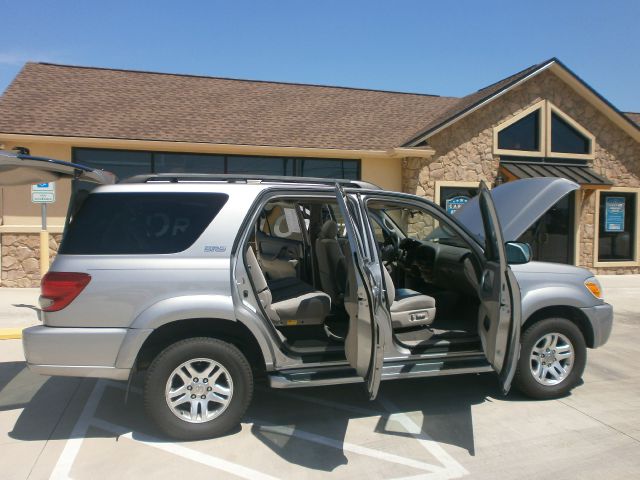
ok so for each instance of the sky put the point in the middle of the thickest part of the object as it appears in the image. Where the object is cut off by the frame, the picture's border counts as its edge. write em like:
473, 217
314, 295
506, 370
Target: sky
447, 48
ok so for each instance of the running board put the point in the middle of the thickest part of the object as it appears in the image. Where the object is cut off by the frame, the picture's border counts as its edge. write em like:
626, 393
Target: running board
305, 377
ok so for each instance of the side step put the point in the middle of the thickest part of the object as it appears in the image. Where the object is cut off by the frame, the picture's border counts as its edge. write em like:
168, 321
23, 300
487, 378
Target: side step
305, 377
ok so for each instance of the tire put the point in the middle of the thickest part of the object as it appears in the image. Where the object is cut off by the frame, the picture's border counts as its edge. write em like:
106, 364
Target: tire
226, 391
548, 385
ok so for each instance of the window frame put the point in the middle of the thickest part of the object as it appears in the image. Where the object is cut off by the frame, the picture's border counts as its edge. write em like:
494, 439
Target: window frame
549, 111
453, 183
596, 234
542, 131
227, 158
546, 109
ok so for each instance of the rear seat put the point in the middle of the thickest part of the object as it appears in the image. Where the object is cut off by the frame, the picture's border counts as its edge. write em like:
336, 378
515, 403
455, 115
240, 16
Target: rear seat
288, 301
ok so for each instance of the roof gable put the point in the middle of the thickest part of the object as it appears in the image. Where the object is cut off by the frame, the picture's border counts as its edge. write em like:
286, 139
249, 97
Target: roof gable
476, 100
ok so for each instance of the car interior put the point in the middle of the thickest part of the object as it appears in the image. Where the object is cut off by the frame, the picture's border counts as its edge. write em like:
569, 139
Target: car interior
296, 257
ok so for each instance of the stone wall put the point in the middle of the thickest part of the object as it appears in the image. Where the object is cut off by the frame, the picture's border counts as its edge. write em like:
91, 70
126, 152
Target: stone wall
21, 258
464, 151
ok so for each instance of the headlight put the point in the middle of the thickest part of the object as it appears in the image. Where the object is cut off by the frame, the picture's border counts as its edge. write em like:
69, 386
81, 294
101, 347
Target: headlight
593, 285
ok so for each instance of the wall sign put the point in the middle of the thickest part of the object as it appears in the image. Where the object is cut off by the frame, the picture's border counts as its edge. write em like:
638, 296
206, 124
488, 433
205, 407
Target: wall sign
455, 203
614, 214
43, 193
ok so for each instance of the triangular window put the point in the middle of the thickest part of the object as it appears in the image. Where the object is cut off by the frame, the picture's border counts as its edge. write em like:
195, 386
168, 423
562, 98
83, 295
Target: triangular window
522, 135
566, 139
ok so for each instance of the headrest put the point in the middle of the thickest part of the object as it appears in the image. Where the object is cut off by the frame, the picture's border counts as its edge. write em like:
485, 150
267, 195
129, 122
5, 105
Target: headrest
329, 229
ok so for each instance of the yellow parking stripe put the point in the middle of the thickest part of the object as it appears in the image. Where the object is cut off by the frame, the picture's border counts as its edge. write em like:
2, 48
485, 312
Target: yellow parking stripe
10, 333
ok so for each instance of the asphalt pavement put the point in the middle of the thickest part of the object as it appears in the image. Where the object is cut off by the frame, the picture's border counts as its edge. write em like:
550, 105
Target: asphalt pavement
439, 428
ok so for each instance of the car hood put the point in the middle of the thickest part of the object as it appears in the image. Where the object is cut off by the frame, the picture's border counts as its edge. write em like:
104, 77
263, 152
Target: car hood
519, 204
547, 268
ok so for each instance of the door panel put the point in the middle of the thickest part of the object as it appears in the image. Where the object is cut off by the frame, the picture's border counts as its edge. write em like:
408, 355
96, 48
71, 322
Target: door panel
499, 315
364, 344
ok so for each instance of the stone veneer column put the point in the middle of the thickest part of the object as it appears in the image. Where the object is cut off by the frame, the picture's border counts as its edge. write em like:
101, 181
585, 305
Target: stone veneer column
21, 258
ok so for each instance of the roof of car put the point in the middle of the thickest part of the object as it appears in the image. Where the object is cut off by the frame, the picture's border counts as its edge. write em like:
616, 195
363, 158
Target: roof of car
246, 179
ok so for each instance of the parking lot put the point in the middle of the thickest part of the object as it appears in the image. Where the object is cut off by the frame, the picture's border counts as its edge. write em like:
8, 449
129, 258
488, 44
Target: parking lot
455, 427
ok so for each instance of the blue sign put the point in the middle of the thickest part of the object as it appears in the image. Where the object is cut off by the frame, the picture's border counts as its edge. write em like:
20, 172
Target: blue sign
43, 185
614, 214
455, 203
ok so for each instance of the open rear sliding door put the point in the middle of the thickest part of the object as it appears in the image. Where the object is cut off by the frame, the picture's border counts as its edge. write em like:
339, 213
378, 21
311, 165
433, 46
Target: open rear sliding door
364, 344
500, 314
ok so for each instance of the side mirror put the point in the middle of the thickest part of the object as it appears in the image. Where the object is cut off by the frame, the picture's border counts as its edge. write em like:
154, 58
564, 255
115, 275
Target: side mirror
518, 253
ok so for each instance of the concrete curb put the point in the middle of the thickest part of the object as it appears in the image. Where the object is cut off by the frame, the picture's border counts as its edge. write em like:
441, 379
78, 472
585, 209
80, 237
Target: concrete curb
10, 333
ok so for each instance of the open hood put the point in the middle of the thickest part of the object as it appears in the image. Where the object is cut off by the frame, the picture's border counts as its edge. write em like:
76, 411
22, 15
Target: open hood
519, 204
19, 169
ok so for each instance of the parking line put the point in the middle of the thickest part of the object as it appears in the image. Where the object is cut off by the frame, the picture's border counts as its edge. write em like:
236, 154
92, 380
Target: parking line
452, 469
349, 447
10, 333
87, 419
181, 451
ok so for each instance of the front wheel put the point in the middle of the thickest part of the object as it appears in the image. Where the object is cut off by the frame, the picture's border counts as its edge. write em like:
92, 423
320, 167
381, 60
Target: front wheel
552, 359
198, 388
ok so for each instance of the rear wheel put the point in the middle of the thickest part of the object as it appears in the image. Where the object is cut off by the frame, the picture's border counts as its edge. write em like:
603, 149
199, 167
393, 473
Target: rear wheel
552, 358
198, 388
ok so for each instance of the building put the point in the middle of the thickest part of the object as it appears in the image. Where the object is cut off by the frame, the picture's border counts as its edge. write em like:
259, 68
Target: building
542, 121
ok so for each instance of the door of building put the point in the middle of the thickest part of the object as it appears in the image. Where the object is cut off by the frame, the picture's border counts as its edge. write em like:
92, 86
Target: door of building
552, 236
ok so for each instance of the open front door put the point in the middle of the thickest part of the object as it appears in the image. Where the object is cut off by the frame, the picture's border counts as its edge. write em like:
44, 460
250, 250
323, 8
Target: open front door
364, 344
500, 312
20, 169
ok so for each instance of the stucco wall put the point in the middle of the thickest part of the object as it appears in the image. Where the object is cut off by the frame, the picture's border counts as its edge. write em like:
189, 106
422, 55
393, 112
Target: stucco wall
464, 151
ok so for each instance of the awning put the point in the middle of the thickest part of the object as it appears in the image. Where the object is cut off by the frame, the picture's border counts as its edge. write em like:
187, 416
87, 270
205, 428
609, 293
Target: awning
581, 174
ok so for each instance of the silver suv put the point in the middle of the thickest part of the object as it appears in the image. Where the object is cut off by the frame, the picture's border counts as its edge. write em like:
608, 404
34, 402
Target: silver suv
204, 281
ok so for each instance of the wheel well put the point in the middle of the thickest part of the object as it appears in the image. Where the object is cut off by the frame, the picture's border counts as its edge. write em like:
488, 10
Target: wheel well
570, 313
229, 331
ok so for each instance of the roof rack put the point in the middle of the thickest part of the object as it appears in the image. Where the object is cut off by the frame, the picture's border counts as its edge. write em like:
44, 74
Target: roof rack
230, 178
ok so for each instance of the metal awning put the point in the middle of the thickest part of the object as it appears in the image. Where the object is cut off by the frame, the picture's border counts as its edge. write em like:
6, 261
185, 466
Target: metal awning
581, 174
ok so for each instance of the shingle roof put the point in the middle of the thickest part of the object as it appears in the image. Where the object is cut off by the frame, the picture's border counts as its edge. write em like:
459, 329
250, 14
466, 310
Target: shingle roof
469, 101
60, 100
634, 116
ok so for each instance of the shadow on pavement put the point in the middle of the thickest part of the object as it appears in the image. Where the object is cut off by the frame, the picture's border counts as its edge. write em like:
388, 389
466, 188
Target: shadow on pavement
286, 421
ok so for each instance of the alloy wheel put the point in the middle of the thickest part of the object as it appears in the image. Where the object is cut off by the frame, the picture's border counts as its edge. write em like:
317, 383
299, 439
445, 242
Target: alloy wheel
551, 359
199, 390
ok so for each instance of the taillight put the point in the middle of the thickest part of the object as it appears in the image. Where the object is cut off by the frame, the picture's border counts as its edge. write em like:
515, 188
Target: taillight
58, 289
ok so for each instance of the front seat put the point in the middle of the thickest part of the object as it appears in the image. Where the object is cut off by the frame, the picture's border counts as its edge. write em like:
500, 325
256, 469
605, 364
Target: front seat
293, 303
331, 262
408, 307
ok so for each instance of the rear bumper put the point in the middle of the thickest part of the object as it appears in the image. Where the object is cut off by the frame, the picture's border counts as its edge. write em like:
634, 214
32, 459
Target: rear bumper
601, 319
76, 352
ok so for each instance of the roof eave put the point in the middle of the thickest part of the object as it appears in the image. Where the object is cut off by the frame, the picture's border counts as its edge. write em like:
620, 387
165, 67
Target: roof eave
564, 73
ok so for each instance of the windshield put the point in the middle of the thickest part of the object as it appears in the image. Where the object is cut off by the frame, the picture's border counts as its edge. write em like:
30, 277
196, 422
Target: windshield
419, 225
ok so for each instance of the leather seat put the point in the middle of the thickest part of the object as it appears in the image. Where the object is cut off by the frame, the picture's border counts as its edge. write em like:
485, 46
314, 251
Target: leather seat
408, 307
331, 262
292, 302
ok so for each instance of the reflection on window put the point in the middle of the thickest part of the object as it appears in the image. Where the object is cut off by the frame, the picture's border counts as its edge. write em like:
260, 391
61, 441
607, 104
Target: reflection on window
125, 164
187, 162
522, 135
566, 139
617, 226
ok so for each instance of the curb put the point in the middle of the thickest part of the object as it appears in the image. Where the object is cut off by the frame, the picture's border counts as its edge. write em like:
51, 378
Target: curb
10, 333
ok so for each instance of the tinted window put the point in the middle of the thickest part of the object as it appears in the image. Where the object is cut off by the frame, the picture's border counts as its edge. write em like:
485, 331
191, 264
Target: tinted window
124, 163
187, 162
140, 223
522, 135
565, 138
309, 167
260, 165
617, 229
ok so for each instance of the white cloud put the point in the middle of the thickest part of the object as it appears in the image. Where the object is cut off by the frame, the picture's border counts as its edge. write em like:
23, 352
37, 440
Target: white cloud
18, 57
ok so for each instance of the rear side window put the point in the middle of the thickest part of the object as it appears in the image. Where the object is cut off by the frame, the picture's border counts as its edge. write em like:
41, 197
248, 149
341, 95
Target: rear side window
140, 223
